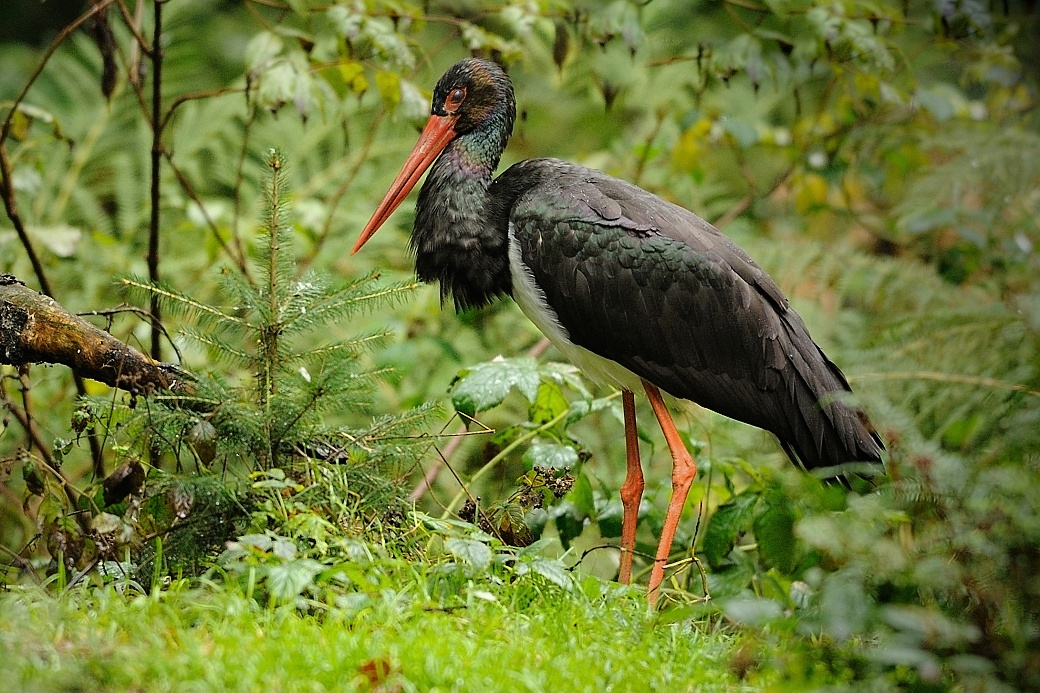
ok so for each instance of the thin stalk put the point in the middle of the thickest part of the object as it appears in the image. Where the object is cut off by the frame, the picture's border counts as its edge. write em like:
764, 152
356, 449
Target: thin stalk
157, 151
494, 461
271, 325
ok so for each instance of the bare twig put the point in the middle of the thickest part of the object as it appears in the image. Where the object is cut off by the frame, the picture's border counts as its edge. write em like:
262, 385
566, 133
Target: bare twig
7, 191
644, 156
11, 206
23, 563
196, 96
133, 22
110, 313
236, 257
71, 492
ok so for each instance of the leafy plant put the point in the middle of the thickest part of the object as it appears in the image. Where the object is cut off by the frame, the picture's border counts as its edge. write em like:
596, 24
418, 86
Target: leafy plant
283, 413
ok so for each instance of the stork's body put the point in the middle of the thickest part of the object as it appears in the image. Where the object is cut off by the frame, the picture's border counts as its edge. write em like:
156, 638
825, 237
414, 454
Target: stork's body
638, 292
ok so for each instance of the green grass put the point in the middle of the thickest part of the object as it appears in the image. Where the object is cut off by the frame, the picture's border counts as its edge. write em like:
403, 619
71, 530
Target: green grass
520, 637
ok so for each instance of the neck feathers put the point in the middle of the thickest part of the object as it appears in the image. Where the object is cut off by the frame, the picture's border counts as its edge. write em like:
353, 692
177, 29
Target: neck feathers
461, 237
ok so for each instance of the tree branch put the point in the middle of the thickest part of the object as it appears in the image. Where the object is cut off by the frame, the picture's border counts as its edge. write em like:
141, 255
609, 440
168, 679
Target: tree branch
35, 329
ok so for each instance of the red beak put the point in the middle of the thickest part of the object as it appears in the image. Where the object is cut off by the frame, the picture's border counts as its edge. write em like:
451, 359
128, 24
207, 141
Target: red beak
439, 131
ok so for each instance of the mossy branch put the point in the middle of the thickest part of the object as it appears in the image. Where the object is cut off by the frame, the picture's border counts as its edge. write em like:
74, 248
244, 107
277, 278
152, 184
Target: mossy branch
36, 329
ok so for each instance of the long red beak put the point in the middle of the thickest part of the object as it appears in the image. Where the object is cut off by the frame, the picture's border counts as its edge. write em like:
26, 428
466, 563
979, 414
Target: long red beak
439, 131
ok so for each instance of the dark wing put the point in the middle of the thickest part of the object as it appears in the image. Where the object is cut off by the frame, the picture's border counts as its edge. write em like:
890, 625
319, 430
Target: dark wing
659, 290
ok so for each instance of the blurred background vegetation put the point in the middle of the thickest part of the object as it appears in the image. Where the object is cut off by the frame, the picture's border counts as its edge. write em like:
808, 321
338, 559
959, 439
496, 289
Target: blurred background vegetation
880, 159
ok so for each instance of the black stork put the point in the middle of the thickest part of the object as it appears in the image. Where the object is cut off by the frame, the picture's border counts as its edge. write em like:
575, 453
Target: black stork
638, 292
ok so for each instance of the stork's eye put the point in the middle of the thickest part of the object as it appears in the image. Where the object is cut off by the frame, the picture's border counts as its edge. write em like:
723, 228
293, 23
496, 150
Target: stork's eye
454, 100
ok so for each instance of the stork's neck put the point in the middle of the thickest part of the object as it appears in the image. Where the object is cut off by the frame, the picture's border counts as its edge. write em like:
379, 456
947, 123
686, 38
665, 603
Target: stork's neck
460, 236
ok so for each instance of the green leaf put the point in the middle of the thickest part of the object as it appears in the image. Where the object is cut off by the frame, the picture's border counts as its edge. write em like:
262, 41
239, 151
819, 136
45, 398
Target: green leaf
61, 239
261, 50
550, 456
287, 580
548, 403
725, 525
844, 606
536, 547
569, 520
389, 86
731, 580
774, 530
565, 374
476, 553
582, 408
550, 569
752, 611
485, 386
353, 75
581, 496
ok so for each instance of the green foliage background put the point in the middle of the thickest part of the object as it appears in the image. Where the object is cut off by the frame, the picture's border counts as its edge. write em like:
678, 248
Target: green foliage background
881, 160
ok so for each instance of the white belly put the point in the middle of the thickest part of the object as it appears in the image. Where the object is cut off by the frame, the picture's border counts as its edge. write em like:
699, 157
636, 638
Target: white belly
532, 302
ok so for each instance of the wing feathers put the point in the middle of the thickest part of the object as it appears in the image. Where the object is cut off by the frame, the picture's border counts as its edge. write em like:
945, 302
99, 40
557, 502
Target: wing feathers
655, 288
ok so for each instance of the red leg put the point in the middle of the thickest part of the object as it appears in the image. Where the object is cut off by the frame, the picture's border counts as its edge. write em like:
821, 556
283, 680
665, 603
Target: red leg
631, 490
684, 469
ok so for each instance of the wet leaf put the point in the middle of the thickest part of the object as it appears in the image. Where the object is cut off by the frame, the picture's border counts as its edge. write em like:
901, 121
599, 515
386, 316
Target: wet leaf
485, 386
550, 456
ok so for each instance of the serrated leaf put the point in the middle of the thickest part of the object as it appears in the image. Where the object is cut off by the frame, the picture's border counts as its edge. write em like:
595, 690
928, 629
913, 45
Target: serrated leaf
257, 541
550, 456
509, 523
565, 374
487, 384
287, 580
476, 553
725, 525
